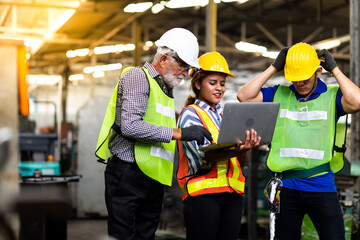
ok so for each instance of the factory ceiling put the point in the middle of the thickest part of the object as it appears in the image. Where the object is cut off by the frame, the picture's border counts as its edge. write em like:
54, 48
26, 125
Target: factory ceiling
93, 23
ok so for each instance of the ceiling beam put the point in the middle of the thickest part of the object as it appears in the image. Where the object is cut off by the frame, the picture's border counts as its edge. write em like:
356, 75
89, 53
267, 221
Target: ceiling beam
37, 5
5, 15
269, 35
114, 31
312, 35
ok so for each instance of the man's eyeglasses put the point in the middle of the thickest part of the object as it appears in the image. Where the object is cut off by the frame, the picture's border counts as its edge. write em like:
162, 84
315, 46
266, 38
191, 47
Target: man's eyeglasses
183, 65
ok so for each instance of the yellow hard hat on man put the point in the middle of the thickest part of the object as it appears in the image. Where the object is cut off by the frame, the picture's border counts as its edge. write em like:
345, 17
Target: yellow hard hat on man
301, 63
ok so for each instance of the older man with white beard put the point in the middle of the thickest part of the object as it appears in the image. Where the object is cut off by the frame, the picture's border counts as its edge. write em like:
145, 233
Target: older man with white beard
139, 137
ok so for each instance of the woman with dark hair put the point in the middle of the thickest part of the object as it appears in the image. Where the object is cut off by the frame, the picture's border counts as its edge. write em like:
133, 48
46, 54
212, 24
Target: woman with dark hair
211, 182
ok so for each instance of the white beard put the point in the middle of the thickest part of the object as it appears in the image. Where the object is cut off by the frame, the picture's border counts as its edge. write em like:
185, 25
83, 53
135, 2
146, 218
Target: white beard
170, 80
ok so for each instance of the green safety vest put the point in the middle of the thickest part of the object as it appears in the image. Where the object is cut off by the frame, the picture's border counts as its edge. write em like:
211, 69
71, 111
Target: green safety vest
304, 136
154, 159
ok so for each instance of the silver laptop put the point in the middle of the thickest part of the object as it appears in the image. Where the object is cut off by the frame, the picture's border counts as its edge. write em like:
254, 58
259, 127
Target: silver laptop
238, 117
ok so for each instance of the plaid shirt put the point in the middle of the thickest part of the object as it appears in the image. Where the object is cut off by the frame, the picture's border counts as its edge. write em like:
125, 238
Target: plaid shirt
132, 99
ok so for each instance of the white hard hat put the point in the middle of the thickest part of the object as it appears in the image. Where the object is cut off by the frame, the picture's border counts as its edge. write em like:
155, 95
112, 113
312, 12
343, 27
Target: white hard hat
183, 42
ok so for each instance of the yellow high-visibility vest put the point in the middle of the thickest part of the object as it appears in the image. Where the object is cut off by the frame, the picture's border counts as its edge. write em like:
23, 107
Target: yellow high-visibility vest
225, 176
154, 159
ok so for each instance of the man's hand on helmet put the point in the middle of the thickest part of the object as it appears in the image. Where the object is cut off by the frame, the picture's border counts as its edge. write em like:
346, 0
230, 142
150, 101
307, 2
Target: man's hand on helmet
279, 62
329, 62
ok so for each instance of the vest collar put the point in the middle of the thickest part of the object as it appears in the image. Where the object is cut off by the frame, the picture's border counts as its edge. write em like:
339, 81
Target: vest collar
207, 107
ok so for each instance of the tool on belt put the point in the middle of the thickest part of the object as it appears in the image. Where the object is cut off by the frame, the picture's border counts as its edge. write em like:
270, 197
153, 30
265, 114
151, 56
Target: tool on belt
272, 195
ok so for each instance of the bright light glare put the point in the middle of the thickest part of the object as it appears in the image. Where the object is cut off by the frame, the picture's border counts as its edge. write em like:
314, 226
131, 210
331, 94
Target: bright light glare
195, 3
82, 52
270, 54
111, 67
328, 44
137, 7
114, 48
34, 44
100, 50
98, 74
250, 47
186, 3
149, 43
102, 68
77, 53
76, 77
76, 4
34, 79
158, 8
63, 19
239, 1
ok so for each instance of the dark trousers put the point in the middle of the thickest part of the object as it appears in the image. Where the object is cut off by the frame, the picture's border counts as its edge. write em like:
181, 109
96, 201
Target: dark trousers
213, 216
323, 209
133, 201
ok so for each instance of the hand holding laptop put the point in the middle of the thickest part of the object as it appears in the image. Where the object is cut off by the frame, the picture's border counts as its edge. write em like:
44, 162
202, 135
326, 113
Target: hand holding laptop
241, 117
251, 140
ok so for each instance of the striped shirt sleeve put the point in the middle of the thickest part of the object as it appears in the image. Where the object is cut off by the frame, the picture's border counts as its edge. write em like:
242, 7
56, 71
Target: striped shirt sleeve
194, 156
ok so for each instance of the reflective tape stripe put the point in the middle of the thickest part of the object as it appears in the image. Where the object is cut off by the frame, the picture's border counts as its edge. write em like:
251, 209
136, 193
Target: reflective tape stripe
208, 183
303, 116
302, 153
162, 153
166, 111
238, 186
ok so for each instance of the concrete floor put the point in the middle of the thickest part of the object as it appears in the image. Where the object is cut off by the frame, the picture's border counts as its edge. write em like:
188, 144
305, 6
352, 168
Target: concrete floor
85, 229
96, 229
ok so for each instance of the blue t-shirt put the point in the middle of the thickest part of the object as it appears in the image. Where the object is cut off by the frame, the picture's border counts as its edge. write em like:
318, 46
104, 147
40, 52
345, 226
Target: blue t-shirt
322, 183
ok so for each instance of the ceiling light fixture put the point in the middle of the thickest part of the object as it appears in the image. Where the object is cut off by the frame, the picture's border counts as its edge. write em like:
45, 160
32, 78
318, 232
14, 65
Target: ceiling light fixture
331, 42
100, 50
37, 79
254, 48
98, 74
186, 3
142, 7
250, 47
158, 7
76, 77
77, 53
270, 54
239, 1
103, 68
114, 48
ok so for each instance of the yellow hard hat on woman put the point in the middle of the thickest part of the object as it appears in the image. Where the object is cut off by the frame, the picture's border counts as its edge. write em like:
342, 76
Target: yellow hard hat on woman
301, 62
214, 62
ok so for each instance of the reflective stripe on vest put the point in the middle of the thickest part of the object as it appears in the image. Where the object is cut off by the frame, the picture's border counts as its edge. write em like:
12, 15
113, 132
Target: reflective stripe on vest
225, 176
156, 160
304, 132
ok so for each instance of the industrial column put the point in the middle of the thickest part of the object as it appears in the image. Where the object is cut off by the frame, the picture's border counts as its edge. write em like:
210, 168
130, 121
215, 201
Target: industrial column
9, 154
211, 19
136, 39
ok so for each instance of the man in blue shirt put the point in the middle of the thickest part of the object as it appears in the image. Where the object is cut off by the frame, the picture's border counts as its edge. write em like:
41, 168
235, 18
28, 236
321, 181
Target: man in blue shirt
304, 136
